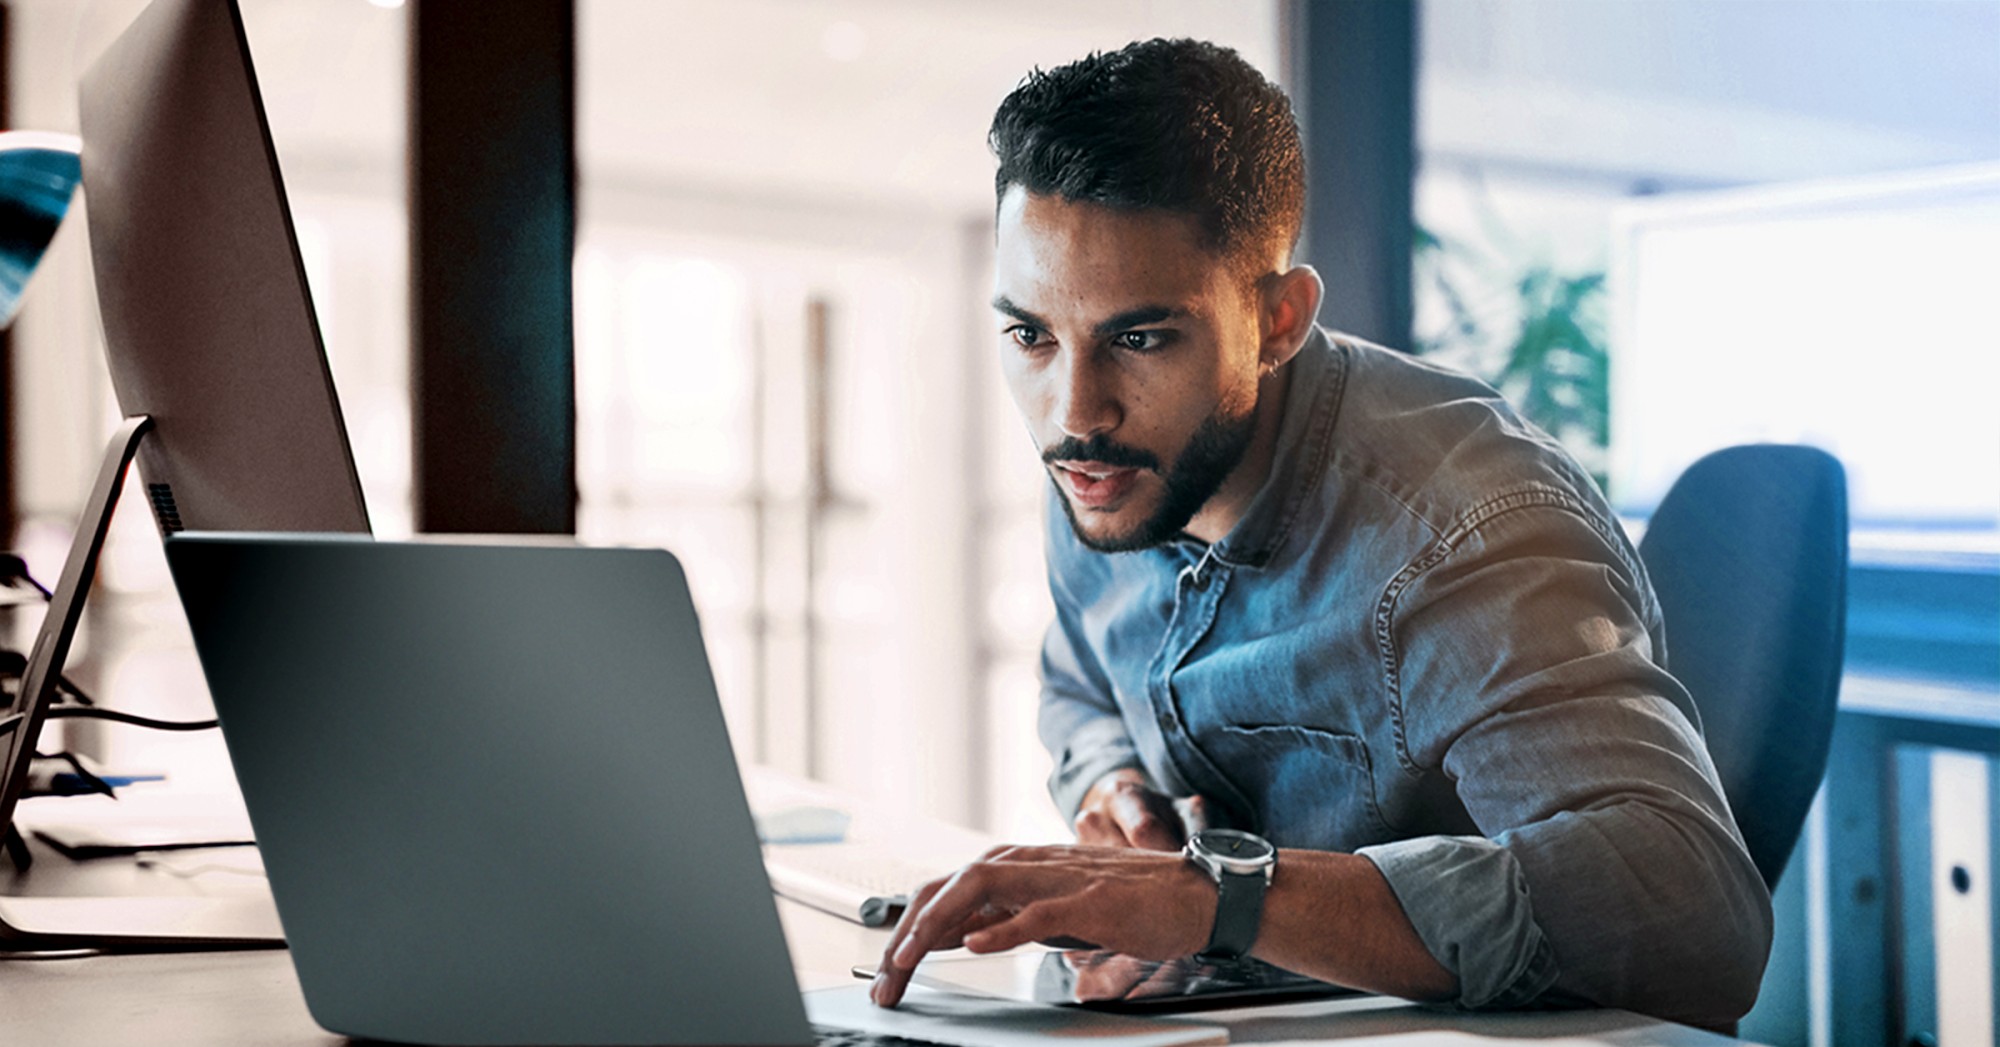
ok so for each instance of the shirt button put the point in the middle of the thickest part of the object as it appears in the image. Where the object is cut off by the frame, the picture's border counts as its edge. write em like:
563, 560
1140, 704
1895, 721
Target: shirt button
1168, 721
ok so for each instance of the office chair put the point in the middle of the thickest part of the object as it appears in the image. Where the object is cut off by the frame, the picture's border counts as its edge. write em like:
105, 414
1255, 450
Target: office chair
1748, 554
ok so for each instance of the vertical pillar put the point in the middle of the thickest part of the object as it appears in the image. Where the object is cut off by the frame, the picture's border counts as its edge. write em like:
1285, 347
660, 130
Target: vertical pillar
492, 234
820, 498
1354, 80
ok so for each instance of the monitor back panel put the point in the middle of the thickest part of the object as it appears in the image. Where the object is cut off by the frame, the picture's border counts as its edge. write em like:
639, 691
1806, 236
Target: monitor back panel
493, 790
208, 324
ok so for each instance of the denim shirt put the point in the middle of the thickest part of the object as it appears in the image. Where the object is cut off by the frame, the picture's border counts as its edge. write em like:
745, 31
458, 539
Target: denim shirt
1427, 642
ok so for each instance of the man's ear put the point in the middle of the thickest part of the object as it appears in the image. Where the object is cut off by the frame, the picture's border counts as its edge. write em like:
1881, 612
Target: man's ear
1291, 304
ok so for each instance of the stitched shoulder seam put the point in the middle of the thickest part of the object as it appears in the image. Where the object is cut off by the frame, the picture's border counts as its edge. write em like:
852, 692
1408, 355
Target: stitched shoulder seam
1318, 442
1530, 497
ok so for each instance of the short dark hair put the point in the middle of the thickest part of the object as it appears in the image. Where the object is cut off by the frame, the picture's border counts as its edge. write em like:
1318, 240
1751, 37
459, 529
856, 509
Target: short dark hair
1176, 125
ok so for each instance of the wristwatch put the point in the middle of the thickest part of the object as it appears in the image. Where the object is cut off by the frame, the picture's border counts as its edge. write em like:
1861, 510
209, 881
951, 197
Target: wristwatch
1240, 863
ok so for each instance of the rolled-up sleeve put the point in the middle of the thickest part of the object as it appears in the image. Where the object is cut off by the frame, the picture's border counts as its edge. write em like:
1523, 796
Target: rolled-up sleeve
1519, 662
1468, 900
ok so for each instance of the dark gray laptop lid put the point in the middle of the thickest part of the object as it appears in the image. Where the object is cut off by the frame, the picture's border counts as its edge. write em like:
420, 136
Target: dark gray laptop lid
493, 789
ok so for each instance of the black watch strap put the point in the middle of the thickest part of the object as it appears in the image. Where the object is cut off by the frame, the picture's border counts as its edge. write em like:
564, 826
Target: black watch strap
1239, 911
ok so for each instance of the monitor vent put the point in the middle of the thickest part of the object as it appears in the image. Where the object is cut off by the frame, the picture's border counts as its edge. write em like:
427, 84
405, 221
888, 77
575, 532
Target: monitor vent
164, 509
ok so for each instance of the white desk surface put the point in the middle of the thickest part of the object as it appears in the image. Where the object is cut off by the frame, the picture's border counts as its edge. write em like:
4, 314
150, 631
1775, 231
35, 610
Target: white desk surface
252, 998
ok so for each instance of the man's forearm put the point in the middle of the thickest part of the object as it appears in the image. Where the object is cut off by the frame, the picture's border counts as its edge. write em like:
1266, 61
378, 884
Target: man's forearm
1333, 917
1328, 915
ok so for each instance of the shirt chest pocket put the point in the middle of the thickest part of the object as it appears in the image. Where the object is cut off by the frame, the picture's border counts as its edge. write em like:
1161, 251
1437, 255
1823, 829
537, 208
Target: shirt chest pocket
1309, 788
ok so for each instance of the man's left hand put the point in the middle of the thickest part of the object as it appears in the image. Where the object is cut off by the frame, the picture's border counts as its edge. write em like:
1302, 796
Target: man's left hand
1147, 904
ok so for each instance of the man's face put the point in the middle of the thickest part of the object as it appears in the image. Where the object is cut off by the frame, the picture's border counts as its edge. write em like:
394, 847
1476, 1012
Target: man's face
1132, 353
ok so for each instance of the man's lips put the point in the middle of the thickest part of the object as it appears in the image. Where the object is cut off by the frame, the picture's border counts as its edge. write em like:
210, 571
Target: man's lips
1096, 485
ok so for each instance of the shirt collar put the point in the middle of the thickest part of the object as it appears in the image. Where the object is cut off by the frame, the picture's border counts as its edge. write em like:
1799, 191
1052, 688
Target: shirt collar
1298, 463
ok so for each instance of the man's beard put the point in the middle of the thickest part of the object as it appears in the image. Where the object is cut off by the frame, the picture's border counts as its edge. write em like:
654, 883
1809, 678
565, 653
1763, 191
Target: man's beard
1211, 454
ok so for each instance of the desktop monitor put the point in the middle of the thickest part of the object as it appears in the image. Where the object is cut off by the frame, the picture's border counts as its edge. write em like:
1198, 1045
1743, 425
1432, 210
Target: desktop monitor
214, 351
208, 326
1852, 315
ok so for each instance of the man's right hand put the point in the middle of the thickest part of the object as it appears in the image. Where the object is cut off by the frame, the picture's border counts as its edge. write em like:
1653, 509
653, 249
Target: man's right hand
1123, 810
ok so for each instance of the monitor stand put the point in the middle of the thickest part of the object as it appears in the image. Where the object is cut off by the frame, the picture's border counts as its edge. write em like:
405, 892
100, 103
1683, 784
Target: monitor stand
110, 924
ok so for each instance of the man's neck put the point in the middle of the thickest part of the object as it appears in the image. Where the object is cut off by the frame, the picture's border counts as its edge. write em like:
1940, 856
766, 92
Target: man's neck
1230, 501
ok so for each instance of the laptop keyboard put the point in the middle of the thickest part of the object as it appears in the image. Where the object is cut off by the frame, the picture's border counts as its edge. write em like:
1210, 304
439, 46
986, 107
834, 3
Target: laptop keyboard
832, 1036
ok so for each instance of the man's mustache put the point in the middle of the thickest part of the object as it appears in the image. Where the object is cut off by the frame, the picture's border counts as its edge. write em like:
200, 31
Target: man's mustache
1100, 449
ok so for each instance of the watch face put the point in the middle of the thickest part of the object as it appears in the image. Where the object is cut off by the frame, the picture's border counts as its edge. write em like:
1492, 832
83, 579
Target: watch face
1237, 852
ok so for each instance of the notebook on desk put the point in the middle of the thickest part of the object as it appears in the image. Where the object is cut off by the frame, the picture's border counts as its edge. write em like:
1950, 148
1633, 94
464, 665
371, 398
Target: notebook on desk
496, 797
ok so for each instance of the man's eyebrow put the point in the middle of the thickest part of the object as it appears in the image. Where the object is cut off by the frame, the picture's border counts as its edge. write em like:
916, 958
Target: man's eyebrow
1006, 305
1145, 314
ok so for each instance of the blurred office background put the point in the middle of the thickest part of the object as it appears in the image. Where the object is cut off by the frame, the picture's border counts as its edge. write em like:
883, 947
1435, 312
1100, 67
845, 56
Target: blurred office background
1664, 225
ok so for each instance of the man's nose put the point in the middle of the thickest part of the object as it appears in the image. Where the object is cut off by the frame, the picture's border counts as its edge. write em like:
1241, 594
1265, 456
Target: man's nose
1086, 402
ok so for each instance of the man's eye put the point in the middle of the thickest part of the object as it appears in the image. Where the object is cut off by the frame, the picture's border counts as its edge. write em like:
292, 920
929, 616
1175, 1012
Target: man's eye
1141, 341
1025, 336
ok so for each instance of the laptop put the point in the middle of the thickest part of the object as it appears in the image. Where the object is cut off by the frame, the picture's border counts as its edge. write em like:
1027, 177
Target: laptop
495, 794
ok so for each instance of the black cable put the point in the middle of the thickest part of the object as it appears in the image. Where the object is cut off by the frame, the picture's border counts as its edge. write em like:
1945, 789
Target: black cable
13, 568
91, 782
65, 685
14, 666
72, 712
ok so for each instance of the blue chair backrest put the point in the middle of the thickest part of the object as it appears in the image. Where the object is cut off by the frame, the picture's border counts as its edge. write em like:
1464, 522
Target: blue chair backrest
1748, 554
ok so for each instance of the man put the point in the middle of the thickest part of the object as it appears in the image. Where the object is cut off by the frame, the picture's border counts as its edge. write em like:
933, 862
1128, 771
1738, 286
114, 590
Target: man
1323, 592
